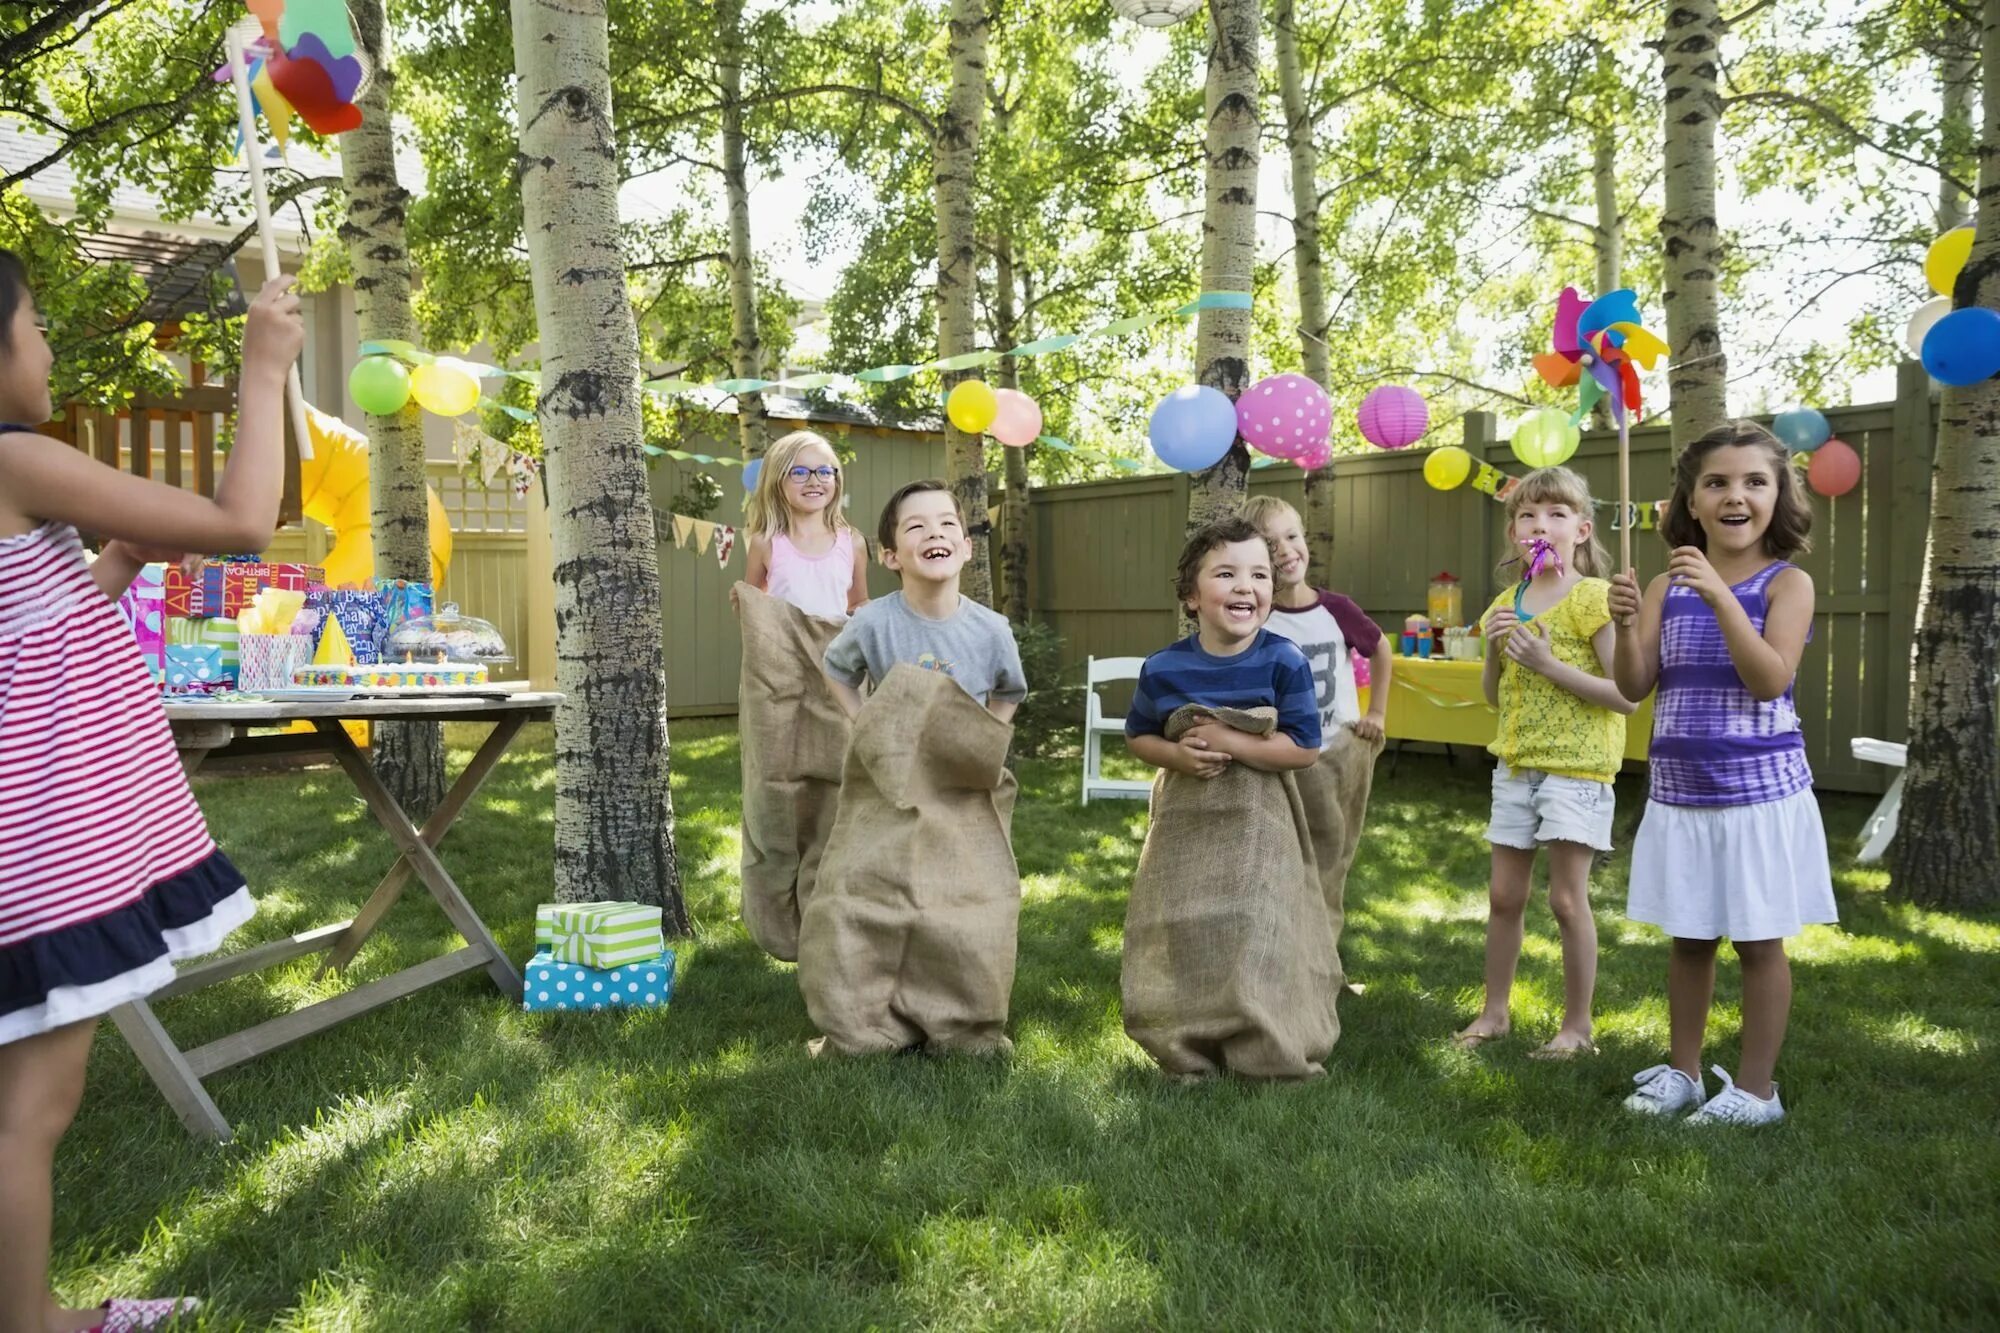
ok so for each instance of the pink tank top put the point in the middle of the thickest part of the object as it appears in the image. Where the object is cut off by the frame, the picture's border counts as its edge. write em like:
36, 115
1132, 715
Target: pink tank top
816, 584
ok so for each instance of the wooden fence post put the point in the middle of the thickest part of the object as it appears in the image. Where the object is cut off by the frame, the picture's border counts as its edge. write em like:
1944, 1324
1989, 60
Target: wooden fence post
1915, 445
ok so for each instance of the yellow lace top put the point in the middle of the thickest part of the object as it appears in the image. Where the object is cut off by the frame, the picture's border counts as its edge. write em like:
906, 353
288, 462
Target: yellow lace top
1542, 725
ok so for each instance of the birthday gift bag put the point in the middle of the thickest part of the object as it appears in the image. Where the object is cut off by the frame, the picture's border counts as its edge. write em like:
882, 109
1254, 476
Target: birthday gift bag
1226, 961
1334, 792
143, 605
794, 739
907, 935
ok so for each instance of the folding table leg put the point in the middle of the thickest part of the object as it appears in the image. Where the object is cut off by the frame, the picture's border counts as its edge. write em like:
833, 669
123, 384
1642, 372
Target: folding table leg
169, 1070
440, 822
422, 859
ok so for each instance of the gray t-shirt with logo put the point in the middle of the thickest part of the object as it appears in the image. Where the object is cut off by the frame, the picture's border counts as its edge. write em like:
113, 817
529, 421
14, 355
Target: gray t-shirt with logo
973, 645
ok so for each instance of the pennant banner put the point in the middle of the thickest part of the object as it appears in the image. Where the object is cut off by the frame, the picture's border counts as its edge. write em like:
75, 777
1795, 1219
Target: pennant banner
683, 526
725, 542
1644, 516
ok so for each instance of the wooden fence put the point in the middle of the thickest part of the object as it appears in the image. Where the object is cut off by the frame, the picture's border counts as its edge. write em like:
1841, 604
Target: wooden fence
1102, 556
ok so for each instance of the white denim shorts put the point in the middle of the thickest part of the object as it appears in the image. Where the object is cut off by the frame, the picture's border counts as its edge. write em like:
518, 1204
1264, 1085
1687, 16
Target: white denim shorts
1532, 807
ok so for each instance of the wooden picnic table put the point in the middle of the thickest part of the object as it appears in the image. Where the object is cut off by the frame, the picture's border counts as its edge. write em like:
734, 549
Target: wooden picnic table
203, 730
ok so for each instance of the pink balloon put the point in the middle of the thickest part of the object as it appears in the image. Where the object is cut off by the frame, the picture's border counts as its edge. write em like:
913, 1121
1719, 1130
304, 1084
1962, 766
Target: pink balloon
1018, 420
1317, 457
1835, 469
1392, 416
1284, 415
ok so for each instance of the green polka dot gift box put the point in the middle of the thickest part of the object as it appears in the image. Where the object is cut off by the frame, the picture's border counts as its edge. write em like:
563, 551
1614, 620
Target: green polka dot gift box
549, 986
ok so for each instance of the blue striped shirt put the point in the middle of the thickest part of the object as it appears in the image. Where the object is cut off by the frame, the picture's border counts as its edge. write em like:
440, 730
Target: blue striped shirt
1270, 673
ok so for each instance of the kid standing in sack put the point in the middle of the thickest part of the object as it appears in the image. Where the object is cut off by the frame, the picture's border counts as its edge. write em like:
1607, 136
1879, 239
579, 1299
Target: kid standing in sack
1732, 842
813, 566
1325, 626
1561, 740
907, 939
1226, 965
107, 872
801, 547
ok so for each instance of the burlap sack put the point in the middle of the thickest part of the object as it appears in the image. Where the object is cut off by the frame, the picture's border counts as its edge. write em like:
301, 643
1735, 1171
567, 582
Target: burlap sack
1335, 795
794, 739
1226, 964
908, 934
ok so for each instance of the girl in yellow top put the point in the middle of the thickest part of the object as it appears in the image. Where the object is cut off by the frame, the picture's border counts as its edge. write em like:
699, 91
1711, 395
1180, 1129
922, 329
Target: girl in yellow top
1561, 739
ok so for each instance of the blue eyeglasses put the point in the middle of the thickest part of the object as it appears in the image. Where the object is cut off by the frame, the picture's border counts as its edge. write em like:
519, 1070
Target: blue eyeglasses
824, 473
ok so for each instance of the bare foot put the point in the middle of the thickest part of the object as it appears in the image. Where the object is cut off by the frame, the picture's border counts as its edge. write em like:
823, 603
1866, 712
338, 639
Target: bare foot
1478, 1033
1565, 1045
60, 1319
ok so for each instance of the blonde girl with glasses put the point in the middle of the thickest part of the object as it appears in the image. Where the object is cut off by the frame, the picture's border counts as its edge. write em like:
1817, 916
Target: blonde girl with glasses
801, 547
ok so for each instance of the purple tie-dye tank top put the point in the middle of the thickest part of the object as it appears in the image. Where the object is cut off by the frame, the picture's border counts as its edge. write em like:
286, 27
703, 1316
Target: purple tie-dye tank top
1713, 742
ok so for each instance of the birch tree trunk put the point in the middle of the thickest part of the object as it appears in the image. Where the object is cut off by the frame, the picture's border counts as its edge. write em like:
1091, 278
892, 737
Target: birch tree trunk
1697, 386
1958, 88
746, 349
1306, 263
1229, 239
1014, 550
1947, 848
614, 809
408, 756
955, 158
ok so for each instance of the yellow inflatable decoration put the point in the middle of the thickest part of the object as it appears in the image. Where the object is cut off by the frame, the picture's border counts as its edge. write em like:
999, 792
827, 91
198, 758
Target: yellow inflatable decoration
333, 490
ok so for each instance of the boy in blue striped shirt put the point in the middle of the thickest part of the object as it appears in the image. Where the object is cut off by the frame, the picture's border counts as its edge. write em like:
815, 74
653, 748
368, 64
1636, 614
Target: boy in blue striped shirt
1230, 661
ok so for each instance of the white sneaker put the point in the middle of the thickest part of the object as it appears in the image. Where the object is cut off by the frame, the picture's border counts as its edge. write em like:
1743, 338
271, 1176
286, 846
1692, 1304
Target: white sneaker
1733, 1106
1665, 1090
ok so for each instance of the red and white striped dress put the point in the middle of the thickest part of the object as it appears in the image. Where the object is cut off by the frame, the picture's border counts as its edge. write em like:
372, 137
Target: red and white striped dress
107, 872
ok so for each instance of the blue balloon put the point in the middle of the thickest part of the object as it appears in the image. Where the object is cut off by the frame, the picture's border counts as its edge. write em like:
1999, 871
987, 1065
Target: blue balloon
1963, 347
1192, 428
1801, 430
751, 471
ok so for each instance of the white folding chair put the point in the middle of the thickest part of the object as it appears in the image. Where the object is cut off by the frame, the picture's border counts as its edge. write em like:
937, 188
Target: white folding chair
1096, 726
1881, 826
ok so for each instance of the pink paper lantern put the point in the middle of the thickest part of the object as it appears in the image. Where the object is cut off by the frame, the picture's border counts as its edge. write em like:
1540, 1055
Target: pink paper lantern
1393, 416
1284, 415
1835, 469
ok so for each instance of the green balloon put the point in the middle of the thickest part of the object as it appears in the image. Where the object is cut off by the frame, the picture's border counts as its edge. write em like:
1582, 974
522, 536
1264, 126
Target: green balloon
379, 385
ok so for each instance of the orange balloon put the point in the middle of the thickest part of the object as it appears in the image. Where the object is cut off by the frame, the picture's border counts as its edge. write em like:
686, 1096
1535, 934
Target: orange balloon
1835, 469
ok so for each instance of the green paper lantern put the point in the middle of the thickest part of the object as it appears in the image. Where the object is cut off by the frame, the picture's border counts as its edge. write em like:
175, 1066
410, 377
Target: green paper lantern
1545, 438
379, 385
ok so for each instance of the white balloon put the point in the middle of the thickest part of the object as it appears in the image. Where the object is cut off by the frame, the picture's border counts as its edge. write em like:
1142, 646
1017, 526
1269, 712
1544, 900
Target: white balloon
1927, 314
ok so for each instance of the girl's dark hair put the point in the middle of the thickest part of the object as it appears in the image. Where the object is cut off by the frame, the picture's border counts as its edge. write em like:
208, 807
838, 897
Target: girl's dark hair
1222, 532
1790, 532
13, 291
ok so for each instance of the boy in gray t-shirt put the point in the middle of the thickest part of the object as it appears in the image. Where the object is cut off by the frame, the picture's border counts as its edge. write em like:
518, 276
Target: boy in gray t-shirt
928, 624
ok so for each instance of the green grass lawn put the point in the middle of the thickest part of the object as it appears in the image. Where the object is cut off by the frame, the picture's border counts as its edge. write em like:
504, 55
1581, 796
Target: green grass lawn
451, 1162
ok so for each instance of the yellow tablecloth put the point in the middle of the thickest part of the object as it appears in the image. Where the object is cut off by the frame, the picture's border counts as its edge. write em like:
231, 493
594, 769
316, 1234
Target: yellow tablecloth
1432, 699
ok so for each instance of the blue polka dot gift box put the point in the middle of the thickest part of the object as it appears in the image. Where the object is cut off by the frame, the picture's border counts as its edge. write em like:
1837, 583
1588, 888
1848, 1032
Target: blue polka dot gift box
549, 986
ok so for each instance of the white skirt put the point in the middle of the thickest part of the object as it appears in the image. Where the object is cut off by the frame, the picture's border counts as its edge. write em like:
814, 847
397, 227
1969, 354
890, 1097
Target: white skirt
1744, 872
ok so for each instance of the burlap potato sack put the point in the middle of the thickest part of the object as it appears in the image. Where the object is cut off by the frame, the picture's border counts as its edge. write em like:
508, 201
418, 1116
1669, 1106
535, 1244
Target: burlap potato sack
794, 738
1335, 794
908, 933
1226, 961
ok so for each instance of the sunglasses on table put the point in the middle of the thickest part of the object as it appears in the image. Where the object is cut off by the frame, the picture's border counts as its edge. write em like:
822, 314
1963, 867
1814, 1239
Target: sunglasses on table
802, 474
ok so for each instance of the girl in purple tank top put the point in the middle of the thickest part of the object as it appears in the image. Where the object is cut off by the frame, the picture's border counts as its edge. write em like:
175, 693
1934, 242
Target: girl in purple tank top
1731, 843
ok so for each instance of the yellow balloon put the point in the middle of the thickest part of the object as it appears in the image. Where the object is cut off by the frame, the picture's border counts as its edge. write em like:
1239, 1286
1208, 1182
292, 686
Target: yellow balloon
1947, 256
972, 406
442, 387
1447, 468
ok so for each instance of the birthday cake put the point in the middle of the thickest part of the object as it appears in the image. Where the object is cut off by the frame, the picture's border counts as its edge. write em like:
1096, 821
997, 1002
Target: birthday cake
392, 675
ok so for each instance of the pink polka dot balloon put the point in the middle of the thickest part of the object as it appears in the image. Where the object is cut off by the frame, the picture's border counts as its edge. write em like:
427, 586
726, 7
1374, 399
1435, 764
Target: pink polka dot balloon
1393, 416
1284, 415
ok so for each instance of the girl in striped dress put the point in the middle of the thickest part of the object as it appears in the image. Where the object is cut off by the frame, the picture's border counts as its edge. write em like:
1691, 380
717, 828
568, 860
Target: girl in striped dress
107, 872
1732, 842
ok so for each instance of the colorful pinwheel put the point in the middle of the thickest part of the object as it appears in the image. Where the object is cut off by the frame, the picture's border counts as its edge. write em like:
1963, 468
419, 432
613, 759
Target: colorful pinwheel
1605, 338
